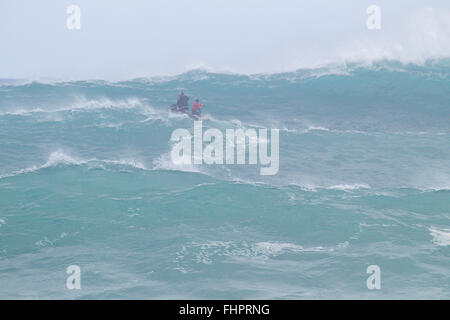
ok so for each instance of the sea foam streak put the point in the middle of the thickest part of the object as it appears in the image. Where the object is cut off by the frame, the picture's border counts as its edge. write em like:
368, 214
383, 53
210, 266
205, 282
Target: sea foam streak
210, 251
441, 237
83, 104
60, 158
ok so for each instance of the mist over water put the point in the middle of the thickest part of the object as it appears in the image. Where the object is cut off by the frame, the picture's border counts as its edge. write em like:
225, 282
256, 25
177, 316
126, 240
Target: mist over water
86, 178
126, 40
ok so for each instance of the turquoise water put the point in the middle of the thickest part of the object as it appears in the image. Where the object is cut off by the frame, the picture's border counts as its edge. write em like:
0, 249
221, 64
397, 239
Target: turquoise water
86, 179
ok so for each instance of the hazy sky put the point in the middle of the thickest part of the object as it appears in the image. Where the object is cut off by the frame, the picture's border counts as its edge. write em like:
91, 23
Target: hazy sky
130, 38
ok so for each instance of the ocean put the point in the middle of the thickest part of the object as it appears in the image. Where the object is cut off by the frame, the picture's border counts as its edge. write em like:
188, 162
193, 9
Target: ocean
86, 179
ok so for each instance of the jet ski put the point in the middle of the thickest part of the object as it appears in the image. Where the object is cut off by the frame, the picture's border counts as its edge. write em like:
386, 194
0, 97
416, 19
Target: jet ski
175, 108
184, 110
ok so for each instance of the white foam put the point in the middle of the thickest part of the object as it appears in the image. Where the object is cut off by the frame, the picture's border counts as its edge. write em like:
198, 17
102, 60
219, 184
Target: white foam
126, 162
248, 182
55, 158
233, 123
441, 237
59, 157
317, 128
308, 129
432, 180
206, 252
340, 187
164, 162
345, 187
277, 248
436, 188
82, 104
444, 186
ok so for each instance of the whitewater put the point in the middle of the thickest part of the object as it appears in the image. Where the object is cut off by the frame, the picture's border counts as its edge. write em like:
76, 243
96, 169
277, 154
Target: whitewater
86, 179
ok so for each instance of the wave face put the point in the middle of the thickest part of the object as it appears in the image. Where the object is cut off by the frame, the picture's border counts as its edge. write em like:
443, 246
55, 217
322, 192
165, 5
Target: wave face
86, 179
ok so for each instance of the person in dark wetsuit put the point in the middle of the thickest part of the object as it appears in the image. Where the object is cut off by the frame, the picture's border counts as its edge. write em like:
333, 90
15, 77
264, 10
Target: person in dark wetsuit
182, 103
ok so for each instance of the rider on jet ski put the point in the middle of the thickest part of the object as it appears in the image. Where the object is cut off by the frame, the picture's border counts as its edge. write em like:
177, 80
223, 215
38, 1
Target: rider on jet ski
182, 103
196, 108
182, 106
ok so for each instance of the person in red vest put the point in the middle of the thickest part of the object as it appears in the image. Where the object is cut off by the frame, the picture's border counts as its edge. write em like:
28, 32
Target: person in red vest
196, 108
